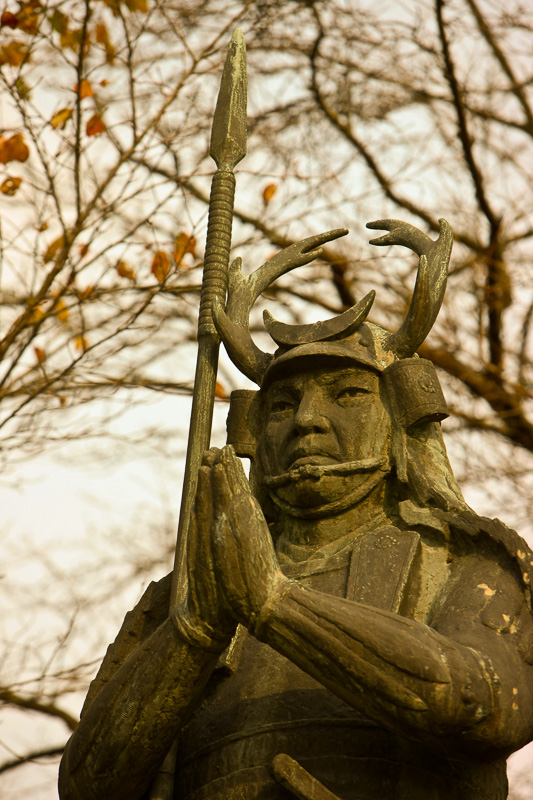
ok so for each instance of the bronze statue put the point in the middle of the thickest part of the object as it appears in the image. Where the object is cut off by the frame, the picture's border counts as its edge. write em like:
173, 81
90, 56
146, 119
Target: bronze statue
351, 630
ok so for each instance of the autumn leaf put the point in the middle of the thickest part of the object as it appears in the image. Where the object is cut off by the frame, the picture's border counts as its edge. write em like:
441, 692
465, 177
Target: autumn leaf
83, 250
126, 271
13, 53
102, 37
9, 20
10, 186
59, 22
160, 265
137, 5
60, 118
269, 192
13, 149
36, 312
40, 354
61, 311
53, 249
220, 392
86, 89
95, 126
183, 243
22, 88
83, 294
26, 18
81, 344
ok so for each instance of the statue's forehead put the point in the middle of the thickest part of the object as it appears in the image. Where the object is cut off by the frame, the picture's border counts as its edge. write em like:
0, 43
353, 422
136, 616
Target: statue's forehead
327, 375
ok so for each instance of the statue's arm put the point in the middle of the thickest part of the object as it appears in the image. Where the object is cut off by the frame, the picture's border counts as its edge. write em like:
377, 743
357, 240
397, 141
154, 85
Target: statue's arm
127, 730
463, 683
466, 685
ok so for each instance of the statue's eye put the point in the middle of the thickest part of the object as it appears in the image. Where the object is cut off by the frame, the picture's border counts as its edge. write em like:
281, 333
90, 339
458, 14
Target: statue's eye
350, 394
278, 406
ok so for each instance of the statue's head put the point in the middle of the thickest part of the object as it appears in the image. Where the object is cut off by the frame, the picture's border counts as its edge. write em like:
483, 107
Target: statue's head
343, 404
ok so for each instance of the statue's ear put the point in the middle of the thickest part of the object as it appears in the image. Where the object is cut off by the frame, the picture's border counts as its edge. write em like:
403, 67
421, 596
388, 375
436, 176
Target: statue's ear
243, 424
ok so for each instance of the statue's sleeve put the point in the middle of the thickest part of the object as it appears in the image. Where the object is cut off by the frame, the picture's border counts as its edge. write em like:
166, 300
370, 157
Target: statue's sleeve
138, 625
150, 680
464, 682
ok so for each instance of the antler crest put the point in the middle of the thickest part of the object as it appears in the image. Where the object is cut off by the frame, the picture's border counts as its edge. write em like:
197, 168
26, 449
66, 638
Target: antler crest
233, 323
430, 281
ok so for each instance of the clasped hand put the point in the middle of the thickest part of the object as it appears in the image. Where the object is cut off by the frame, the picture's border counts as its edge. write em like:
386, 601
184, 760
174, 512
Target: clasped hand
232, 566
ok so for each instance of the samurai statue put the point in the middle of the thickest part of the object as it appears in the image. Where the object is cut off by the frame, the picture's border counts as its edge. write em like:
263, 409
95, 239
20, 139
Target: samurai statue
352, 630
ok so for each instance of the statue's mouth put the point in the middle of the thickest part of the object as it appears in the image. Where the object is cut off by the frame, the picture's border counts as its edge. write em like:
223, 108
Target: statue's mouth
314, 459
302, 471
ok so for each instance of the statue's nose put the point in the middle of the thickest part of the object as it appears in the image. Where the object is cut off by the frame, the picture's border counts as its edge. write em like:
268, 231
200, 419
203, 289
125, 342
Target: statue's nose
311, 414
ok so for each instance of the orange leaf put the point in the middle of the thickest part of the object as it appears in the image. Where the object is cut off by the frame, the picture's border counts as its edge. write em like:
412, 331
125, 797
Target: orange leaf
10, 186
41, 355
137, 5
72, 39
183, 244
83, 249
95, 126
53, 249
83, 294
9, 19
104, 82
13, 149
86, 89
81, 344
60, 118
160, 265
36, 314
13, 54
269, 192
61, 311
125, 271
220, 392
102, 37
28, 17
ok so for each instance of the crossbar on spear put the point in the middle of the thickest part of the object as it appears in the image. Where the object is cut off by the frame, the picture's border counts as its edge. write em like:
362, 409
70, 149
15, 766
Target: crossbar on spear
228, 147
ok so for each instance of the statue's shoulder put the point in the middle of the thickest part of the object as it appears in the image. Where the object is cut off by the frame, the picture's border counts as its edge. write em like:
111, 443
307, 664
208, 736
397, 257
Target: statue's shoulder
139, 623
469, 530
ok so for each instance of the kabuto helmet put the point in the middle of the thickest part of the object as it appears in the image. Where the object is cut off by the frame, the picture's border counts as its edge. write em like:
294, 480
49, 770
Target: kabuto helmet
410, 383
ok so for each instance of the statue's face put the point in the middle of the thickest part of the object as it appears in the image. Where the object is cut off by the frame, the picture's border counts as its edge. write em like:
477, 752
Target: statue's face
326, 416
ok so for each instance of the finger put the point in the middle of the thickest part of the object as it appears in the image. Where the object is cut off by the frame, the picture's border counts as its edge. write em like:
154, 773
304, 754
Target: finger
221, 490
235, 471
210, 457
203, 507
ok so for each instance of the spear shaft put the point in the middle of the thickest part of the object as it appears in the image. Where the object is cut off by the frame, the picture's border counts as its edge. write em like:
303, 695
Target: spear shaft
228, 147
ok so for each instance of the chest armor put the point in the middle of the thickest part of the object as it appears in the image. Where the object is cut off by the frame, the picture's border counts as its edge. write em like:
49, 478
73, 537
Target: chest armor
258, 704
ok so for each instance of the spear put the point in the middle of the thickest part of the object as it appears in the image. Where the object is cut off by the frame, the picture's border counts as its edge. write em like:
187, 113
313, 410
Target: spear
228, 147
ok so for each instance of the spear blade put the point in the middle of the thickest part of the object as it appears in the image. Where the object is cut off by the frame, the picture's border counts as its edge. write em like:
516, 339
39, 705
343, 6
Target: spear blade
229, 131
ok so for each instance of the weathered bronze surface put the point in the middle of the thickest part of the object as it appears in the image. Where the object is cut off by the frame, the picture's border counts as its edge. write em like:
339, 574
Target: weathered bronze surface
351, 628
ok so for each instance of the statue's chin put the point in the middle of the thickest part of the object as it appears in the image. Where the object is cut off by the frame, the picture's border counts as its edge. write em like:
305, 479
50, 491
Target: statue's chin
316, 496
308, 492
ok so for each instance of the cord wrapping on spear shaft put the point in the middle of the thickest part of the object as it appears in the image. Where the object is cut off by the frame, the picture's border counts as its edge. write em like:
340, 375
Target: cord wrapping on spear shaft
215, 278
